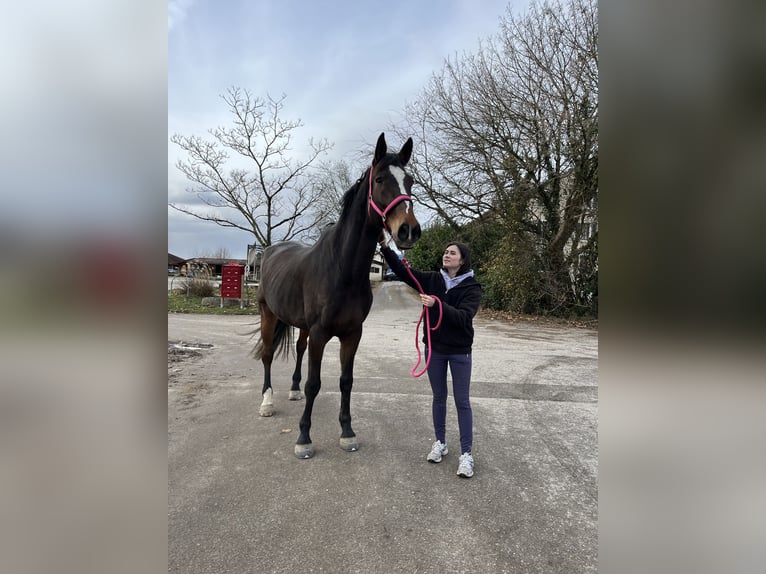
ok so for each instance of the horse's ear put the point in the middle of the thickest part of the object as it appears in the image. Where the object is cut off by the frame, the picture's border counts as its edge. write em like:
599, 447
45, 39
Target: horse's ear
406, 152
380, 149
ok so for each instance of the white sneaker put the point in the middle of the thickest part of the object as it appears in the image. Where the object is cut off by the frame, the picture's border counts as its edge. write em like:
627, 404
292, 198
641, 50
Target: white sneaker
438, 449
465, 468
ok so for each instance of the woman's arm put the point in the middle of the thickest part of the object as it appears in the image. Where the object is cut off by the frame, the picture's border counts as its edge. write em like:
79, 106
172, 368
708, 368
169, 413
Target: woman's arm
398, 267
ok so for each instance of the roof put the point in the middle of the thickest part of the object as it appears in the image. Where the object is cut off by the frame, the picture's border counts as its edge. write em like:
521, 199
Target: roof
175, 259
216, 261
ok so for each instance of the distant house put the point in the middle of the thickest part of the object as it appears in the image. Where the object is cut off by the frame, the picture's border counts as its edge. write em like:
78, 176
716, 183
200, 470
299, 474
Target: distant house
376, 268
175, 264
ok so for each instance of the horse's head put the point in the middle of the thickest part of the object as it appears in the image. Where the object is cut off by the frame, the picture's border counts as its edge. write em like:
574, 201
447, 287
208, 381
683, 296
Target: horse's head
389, 194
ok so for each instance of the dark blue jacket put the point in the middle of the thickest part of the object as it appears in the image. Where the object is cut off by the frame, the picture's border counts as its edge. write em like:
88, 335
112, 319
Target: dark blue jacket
460, 304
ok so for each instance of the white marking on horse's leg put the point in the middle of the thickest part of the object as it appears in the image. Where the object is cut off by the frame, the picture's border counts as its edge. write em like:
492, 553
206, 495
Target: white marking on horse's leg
267, 406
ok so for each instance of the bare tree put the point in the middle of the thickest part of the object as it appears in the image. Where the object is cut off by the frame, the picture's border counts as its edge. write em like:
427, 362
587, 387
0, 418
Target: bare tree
220, 253
331, 181
550, 87
265, 189
512, 132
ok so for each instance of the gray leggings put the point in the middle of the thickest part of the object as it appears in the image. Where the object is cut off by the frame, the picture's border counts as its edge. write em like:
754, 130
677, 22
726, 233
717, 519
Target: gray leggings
460, 367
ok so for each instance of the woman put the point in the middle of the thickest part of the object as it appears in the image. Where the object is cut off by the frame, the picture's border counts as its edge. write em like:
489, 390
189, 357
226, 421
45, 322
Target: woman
460, 295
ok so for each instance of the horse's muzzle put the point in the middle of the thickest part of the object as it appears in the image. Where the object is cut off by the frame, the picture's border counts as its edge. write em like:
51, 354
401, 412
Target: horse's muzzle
407, 235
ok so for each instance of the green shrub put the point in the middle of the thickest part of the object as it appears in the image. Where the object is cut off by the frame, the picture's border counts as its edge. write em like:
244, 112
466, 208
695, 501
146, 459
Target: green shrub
427, 253
515, 273
510, 279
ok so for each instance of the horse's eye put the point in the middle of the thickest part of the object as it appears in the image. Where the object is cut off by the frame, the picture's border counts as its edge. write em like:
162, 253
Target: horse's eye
379, 179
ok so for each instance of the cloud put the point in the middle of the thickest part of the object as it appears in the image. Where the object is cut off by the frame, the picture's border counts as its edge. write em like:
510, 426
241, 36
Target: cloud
177, 11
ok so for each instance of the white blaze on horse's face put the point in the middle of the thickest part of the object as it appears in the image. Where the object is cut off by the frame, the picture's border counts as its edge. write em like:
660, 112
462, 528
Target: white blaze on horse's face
398, 174
402, 223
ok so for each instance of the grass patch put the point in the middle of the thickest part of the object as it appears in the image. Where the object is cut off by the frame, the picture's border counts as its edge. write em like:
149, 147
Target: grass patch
180, 302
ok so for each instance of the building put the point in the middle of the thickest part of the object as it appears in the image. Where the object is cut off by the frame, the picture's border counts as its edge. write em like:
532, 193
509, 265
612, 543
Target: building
175, 264
376, 268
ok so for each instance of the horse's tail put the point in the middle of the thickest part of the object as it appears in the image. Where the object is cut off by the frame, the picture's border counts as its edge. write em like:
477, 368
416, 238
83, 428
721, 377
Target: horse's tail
282, 342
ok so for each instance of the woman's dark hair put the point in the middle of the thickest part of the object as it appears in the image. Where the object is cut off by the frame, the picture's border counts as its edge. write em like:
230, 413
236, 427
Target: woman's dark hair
465, 255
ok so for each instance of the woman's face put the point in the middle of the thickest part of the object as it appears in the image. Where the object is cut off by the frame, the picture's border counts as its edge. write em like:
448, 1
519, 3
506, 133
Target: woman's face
452, 260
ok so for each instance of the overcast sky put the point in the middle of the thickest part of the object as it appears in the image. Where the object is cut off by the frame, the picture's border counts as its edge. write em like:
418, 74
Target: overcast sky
347, 68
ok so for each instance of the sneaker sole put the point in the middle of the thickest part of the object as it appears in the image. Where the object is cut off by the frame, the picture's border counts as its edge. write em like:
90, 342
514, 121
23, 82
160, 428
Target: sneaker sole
429, 459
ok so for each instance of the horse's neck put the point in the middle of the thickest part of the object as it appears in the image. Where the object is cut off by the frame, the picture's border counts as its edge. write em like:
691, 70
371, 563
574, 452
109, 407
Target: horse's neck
355, 245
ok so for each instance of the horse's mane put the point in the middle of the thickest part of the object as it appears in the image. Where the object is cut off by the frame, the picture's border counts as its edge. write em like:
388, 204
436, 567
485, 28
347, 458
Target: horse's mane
348, 198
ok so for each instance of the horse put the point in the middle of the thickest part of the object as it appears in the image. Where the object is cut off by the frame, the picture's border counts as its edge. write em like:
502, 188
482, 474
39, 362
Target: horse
324, 290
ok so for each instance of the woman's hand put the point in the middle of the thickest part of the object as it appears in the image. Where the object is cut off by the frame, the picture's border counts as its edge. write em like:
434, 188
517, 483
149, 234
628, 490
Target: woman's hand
427, 300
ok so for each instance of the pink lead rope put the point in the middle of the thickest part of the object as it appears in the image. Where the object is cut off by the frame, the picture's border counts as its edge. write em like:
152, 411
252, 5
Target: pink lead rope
371, 204
428, 324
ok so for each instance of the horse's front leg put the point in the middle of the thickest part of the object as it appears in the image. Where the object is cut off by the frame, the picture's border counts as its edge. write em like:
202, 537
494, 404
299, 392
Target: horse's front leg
300, 348
317, 342
348, 347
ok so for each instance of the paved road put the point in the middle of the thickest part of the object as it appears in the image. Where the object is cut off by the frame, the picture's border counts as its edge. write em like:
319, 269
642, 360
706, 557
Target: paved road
240, 502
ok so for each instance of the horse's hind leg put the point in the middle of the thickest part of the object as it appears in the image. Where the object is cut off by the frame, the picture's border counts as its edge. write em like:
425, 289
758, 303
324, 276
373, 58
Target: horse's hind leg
266, 351
300, 348
348, 347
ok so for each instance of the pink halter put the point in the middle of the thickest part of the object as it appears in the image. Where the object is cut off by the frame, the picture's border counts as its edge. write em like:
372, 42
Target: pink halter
389, 207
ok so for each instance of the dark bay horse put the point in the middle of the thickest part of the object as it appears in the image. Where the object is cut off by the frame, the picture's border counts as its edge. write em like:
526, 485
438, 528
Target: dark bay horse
324, 290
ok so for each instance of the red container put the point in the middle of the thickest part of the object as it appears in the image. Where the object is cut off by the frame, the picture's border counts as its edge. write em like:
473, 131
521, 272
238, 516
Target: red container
231, 281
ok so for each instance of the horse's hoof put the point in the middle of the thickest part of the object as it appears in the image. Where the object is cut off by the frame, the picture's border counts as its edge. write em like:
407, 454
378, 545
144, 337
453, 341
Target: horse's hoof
267, 406
304, 450
349, 444
294, 396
